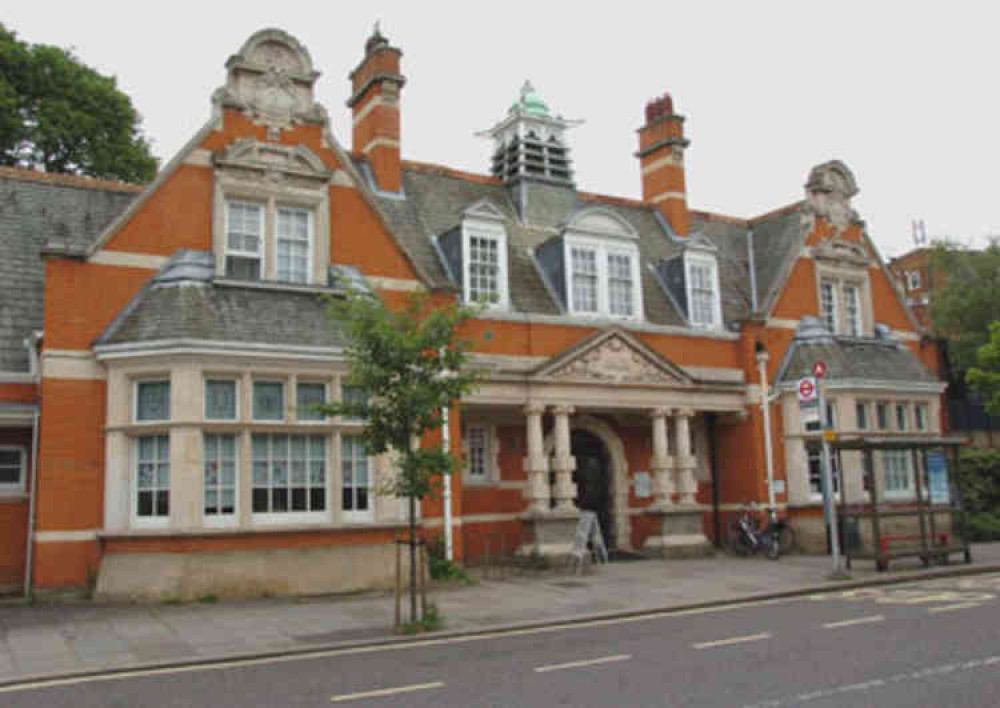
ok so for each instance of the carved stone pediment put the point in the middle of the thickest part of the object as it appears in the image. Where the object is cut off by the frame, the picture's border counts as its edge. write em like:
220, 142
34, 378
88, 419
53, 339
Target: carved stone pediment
273, 160
613, 357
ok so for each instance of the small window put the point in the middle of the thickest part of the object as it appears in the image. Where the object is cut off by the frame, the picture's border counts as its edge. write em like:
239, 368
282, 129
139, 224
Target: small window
814, 452
268, 400
485, 266
356, 493
621, 288
244, 237
852, 310
702, 293
294, 244
477, 440
920, 416
584, 268
152, 401
831, 415
913, 280
308, 396
882, 415
861, 413
220, 476
900, 416
152, 478
220, 399
12, 463
828, 305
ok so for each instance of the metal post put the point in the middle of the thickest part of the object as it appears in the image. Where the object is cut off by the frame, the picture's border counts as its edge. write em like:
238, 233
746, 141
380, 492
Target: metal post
765, 410
828, 498
446, 443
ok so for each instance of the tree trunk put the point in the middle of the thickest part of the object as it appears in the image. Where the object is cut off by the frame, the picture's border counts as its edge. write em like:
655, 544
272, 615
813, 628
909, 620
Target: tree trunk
413, 558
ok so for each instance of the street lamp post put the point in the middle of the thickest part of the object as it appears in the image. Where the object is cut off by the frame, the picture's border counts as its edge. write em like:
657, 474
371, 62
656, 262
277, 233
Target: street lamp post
765, 409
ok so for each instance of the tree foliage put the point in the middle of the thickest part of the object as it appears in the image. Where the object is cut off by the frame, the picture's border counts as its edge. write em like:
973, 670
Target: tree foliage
984, 378
966, 298
59, 115
411, 365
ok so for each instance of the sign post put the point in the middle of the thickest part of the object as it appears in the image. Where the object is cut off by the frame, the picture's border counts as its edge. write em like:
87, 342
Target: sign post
829, 499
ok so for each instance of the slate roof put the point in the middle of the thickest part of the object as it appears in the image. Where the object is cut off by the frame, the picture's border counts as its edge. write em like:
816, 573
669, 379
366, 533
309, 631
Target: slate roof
855, 359
184, 301
36, 208
435, 199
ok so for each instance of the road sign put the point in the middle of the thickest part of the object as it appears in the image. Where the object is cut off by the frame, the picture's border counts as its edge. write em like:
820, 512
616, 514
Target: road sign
808, 393
819, 369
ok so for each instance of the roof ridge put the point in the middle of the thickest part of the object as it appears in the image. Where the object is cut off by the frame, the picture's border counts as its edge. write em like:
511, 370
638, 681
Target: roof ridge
779, 211
712, 216
67, 180
432, 168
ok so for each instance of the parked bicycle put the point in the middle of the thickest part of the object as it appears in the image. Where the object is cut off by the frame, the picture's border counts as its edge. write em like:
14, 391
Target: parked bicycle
746, 537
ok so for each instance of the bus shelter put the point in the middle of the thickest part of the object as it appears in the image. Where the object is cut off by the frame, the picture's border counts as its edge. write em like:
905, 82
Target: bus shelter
928, 522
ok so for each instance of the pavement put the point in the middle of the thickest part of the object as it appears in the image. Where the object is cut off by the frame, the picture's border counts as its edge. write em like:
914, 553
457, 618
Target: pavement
71, 638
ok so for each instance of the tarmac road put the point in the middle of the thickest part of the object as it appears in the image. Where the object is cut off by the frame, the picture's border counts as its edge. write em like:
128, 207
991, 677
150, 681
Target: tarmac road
927, 643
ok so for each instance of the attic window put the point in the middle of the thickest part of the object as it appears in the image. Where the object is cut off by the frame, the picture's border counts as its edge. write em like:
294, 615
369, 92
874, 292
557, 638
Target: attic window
702, 279
484, 247
244, 228
602, 278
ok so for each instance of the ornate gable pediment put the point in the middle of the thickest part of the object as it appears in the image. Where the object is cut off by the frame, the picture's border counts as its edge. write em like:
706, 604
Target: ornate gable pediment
613, 357
484, 209
250, 154
601, 222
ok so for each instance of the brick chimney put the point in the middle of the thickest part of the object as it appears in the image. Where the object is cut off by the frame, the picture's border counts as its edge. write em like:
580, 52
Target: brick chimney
661, 157
374, 103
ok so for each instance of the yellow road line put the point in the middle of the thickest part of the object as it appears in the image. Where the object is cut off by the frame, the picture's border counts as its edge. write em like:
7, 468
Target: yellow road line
960, 606
856, 620
585, 662
387, 691
732, 640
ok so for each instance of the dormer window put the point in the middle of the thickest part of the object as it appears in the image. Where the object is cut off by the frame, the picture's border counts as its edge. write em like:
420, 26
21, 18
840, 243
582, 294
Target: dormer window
843, 288
244, 235
603, 278
840, 307
485, 249
293, 245
702, 280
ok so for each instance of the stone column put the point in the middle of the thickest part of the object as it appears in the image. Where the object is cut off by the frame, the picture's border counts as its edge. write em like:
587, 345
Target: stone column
563, 462
661, 464
684, 462
535, 462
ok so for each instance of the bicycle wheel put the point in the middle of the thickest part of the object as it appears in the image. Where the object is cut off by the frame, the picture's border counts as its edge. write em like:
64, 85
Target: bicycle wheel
786, 539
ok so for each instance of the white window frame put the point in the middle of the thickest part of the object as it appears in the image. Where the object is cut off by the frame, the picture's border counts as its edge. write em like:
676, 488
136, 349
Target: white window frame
906, 456
490, 450
485, 230
235, 380
355, 515
264, 518
284, 400
888, 416
901, 422
703, 260
310, 239
155, 521
326, 397
261, 253
232, 519
852, 321
16, 488
135, 400
829, 317
601, 249
864, 408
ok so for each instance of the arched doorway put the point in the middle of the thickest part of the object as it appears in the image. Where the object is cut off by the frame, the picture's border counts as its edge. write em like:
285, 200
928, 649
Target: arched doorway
592, 477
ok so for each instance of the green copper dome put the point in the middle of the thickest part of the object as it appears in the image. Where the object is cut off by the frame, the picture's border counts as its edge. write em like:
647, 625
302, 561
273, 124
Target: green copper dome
531, 101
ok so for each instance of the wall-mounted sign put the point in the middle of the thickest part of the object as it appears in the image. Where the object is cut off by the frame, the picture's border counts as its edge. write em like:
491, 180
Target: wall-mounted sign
643, 486
807, 390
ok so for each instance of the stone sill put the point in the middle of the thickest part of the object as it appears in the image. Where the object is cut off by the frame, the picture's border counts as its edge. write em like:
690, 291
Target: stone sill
132, 534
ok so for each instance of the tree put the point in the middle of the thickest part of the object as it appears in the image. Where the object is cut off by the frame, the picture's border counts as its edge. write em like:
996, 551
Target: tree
59, 115
411, 366
966, 298
985, 378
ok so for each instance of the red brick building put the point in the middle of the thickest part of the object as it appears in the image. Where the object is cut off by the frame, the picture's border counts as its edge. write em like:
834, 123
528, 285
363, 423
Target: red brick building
177, 339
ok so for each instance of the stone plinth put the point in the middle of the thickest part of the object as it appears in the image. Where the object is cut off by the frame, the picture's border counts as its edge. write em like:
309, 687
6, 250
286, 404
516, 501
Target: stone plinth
553, 532
681, 535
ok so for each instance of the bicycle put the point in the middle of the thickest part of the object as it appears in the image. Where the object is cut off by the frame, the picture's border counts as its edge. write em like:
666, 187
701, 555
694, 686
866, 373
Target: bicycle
745, 536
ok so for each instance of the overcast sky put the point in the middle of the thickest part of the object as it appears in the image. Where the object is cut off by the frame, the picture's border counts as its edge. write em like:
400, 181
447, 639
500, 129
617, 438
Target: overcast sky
905, 93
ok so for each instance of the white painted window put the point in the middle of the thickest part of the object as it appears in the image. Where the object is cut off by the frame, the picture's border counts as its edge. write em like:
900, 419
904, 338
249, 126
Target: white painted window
852, 310
485, 258
151, 482
353, 394
702, 282
477, 439
152, 401
289, 475
308, 395
244, 240
828, 305
294, 245
356, 501
603, 278
268, 400
920, 416
897, 474
621, 286
219, 483
221, 401
12, 473
583, 266
814, 452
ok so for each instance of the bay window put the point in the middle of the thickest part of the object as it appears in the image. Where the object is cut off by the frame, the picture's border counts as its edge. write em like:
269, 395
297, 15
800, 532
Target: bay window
355, 479
152, 401
288, 474
309, 395
268, 400
151, 480
219, 482
221, 402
